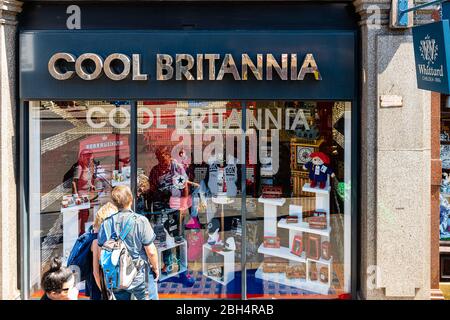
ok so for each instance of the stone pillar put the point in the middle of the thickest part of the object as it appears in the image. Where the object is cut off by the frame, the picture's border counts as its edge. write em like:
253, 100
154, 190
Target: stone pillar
395, 163
8, 144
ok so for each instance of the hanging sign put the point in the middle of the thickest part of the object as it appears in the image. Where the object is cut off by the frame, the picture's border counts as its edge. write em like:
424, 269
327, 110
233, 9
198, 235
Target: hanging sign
431, 51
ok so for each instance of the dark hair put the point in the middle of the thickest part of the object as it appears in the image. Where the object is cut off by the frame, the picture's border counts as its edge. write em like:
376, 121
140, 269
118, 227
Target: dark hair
56, 276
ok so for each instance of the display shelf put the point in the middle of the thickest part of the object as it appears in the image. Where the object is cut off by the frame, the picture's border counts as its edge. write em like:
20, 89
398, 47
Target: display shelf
322, 261
222, 200
83, 206
183, 258
163, 277
303, 227
228, 264
281, 252
115, 183
313, 286
307, 188
272, 201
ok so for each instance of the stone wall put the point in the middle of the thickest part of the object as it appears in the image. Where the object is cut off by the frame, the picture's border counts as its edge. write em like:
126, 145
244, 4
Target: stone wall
8, 155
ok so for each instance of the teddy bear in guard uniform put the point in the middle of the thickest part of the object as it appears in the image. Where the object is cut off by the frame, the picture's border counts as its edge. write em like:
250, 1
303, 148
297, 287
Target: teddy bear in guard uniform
319, 169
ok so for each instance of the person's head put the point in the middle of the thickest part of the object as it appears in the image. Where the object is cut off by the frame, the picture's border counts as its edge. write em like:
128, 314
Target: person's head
59, 282
143, 184
163, 155
103, 213
319, 158
85, 157
122, 197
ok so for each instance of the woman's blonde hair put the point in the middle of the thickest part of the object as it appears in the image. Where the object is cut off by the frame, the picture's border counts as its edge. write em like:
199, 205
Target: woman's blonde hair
104, 212
143, 184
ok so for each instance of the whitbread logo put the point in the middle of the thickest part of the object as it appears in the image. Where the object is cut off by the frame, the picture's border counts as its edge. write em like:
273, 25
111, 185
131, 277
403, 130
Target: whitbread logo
429, 50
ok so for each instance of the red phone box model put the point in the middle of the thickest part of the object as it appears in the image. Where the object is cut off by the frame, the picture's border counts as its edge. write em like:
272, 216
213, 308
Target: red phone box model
271, 242
323, 274
326, 248
297, 246
313, 246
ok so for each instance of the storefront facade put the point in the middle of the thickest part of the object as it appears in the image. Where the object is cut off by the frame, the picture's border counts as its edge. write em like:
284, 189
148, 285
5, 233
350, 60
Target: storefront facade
256, 145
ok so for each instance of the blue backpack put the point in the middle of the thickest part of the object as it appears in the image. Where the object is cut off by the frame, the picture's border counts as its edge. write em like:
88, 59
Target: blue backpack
119, 269
81, 253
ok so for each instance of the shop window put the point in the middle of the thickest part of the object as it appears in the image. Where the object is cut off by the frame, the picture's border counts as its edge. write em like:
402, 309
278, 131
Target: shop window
206, 171
78, 151
297, 234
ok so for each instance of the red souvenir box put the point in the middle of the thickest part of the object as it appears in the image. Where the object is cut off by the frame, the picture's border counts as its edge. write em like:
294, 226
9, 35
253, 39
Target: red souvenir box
271, 242
272, 192
317, 222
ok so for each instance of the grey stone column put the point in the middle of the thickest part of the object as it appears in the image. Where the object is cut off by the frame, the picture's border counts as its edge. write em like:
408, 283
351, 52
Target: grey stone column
8, 157
395, 162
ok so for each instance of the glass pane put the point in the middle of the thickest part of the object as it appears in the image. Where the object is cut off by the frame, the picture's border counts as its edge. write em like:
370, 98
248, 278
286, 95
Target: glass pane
189, 187
298, 202
79, 150
444, 226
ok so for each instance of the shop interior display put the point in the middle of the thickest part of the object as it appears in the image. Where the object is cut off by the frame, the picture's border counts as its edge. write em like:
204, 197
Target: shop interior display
212, 247
121, 177
272, 192
172, 258
444, 226
218, 265
309, 245
74, 202
318, 169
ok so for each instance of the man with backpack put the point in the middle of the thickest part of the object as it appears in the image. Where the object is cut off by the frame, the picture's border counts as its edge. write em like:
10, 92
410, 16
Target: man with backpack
128, 257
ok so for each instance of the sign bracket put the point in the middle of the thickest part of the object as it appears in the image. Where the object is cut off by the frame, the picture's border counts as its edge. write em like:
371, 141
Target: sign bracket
402, 10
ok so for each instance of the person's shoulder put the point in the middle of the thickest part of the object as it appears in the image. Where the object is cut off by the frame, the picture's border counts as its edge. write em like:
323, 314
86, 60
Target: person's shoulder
139, 217
108, 218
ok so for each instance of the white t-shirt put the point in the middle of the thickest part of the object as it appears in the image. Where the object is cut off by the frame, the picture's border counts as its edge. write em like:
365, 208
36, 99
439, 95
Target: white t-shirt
230, 173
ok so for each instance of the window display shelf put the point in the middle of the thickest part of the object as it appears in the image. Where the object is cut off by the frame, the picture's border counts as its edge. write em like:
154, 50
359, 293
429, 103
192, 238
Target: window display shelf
313, 286
272, 201
303, 227
228, 264
120, 183
282, 252
170, 246
322, 261
182, 256
307, 188
83, 206
163, 277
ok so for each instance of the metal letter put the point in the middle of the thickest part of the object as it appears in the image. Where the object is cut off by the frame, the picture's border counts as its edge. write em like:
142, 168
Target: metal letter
184, 70
54, 72
164, 62
272, 63
309, 66
212, 65
294, 66
199, 66
98, 61
74, 20
137, 75
126, 66
247, 62
228, 66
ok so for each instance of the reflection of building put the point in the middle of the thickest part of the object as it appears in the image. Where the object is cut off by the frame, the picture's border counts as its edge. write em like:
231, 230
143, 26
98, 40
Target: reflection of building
383, 155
